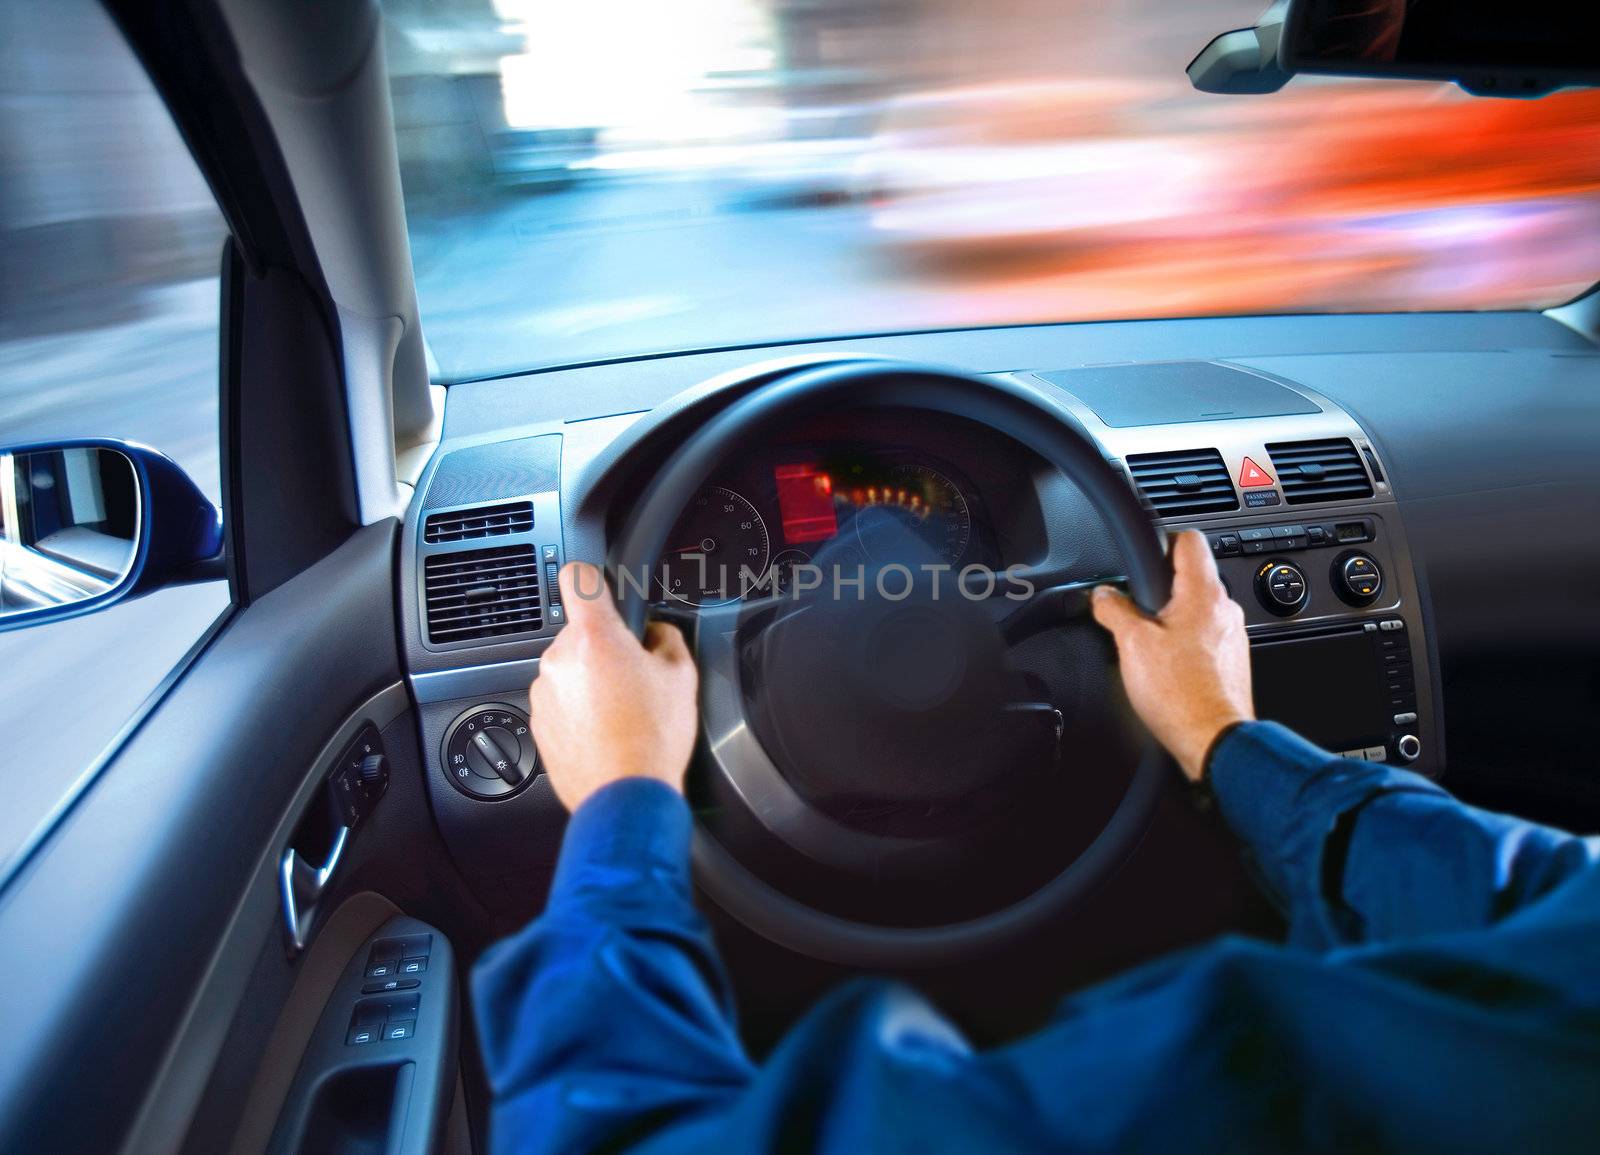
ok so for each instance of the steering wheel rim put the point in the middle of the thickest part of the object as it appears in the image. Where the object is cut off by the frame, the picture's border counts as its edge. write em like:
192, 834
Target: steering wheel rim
1031, 419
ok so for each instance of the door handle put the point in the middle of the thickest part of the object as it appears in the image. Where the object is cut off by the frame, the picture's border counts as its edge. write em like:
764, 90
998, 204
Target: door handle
302, 884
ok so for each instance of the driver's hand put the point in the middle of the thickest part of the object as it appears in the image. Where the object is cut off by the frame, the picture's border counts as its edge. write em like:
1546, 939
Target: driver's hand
605, 707
1187, 670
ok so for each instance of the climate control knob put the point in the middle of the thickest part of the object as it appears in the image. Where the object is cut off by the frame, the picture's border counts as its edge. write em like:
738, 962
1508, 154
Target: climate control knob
1281, 586
1357, 579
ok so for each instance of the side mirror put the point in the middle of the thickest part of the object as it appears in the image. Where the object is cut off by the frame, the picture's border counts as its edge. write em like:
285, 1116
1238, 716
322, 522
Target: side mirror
87, 523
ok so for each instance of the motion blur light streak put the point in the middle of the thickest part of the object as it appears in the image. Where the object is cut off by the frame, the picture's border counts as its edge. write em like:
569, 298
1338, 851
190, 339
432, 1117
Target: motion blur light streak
762, 170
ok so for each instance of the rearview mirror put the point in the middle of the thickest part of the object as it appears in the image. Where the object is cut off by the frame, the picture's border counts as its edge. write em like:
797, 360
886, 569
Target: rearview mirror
1488, 47
87, 523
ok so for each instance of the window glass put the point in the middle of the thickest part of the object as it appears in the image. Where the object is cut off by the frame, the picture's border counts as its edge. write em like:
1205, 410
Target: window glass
614, 177
110, 246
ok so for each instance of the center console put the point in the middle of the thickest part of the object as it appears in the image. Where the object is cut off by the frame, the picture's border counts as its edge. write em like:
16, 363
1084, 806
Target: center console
1295, 501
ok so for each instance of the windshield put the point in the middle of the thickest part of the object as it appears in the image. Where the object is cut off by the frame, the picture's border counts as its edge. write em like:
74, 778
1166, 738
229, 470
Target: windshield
616, 177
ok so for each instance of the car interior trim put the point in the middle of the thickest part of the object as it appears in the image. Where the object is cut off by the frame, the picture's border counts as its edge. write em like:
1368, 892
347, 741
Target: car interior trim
347, 927
487, 680
203, 1032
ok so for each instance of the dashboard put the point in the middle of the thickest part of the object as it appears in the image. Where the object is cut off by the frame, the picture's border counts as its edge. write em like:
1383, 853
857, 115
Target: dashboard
1340, 468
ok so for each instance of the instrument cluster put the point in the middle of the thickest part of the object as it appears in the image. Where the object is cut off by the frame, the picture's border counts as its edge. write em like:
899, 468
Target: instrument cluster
748, 532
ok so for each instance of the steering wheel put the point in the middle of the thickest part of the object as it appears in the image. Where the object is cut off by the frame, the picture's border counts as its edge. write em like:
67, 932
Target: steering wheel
767, 738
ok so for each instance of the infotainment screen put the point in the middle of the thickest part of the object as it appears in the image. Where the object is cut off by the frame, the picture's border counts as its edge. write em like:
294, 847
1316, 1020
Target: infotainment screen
1328, 688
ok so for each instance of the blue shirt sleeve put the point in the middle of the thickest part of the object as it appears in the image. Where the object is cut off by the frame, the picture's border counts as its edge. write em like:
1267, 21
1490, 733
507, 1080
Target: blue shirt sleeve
1363, 852
607, 1024
610, 1013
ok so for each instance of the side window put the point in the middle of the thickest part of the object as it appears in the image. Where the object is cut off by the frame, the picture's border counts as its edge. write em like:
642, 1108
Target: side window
110, 246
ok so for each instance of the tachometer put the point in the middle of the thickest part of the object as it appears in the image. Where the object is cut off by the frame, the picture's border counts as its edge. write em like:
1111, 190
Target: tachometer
913, 496
718, 550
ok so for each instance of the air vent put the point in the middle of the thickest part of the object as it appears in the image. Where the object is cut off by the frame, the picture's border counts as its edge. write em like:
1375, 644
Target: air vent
482, 593
485, 521
1315, 471
1185, 482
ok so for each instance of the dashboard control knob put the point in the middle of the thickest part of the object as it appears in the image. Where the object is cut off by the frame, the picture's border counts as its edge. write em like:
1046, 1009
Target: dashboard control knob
374, 772
489, 753
1282, 587
1409, 747
1356, 578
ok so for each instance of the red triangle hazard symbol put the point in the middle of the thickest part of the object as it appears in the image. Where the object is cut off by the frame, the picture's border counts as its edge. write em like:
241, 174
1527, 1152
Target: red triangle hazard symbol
1252, 474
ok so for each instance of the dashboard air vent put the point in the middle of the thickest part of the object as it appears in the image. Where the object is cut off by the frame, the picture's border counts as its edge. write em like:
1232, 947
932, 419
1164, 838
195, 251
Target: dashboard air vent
1325, 470
482, 593
1184, 482
485, 521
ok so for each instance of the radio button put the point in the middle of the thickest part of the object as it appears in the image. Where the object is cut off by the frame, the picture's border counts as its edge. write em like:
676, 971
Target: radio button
1392, 624
1405, 719
1409, 747
1375, 754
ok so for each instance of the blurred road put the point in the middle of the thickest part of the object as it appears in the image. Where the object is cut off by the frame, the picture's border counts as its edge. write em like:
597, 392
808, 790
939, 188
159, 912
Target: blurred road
622, 267
1414, 202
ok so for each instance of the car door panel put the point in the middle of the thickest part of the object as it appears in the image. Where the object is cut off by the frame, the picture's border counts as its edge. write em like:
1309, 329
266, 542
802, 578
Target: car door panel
243, 1087
378, 1071
114, 921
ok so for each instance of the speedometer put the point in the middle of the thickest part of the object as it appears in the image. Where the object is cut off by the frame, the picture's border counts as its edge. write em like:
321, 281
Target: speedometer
915, 497
717, 552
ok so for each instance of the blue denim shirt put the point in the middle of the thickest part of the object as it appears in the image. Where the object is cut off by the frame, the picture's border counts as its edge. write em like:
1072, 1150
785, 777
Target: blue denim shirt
1440, 992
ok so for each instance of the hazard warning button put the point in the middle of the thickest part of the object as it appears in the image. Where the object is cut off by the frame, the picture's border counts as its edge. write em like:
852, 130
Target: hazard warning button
1251, 474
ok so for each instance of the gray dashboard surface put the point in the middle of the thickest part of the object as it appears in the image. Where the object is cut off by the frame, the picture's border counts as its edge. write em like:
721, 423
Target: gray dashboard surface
564, 395
1174, 392
1496, 469
1487, 421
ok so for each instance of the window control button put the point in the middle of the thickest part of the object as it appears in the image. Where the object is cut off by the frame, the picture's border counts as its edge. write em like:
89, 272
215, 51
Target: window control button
391, 985
413, 966
401, 1030
412, 945
362, 1034
381, 969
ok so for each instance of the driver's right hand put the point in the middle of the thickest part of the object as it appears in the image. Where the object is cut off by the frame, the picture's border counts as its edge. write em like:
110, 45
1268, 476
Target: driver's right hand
1187, 668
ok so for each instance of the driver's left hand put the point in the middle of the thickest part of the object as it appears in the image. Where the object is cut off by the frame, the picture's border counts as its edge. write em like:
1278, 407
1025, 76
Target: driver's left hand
604, 707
